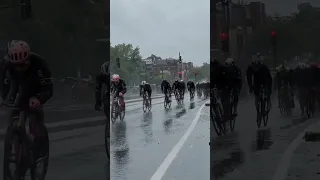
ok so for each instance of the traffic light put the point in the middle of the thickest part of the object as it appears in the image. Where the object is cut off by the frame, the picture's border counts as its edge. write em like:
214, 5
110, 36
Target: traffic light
274, 38
180, 59
180, 74
224, 37
118, 62
26, 10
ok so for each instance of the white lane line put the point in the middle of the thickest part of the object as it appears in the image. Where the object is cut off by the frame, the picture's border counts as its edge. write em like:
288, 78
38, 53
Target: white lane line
284, 164
172, 155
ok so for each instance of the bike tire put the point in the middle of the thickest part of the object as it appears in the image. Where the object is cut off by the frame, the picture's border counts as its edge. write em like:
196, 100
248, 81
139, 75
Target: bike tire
259, 116
44, 159
265, 113
113, 113
12, 137
216, 125
144, 105
107, 139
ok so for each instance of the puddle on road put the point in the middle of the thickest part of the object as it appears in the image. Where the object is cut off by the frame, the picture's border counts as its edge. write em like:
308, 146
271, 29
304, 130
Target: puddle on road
119, 145
263, 140
221, 167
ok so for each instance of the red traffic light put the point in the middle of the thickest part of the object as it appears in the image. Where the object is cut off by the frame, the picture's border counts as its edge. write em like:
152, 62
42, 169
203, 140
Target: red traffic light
223, 36
179, 72
273, 33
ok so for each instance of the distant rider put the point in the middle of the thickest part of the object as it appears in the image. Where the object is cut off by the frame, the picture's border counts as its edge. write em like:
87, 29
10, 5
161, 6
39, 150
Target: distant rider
145, 87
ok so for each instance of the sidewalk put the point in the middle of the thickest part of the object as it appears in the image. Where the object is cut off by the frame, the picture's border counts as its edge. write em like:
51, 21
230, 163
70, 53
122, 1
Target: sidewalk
305, 162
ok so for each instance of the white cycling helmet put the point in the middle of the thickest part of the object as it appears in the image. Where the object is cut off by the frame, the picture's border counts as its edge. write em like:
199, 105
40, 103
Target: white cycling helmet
105, 68
143, 82
115, 78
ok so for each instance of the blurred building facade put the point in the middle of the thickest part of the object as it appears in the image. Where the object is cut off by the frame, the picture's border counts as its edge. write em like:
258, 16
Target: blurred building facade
244, 19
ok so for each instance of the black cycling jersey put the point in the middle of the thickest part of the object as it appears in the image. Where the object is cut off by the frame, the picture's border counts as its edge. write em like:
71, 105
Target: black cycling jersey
235, 76
176, 85
190, 85
261, 76
165, 86
145, 88
118, 87
36, 81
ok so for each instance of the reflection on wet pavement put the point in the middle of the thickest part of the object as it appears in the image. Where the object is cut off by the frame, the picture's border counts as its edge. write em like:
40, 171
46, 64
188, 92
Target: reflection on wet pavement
146, 126
181, 113
224, 142
192, 105
295, 121
167, 124
221, 167
120, 147
263, 140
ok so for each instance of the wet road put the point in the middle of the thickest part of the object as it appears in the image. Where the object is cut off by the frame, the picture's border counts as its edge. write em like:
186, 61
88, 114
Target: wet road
139, 144
144, 141
252, 153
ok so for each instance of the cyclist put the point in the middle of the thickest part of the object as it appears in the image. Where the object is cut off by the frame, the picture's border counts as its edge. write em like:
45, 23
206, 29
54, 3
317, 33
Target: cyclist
235, 75
166, 89
175, 87
31, 77
145, 87
118, 89
102, 78
262, 77
191, 87
182, 88
284, 79
221, 81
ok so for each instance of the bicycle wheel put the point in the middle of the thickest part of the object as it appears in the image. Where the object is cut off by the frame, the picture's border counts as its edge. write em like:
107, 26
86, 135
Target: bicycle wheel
232, 121
107, 139
259, 116
42, 162
14, 152
144, 105
114, 114
165, 103
216, 121
122, 113
149, 105
265, 115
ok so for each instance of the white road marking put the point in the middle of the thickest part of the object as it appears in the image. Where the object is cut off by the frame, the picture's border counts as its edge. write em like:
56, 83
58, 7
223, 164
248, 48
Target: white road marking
172, 155
284, 164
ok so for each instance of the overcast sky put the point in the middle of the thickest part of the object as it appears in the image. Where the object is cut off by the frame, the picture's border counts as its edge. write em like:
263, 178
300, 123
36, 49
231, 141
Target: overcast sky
163, 27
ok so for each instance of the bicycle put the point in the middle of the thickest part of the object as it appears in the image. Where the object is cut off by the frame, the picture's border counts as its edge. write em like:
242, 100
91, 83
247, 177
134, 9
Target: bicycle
177, 96
116, 110
146, 102
232, 110
167, 101
216, 114
262, 112
19, 148
191, 93
107, 139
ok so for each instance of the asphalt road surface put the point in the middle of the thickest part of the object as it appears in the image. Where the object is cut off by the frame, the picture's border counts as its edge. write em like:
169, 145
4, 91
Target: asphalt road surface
253, 153
154, 145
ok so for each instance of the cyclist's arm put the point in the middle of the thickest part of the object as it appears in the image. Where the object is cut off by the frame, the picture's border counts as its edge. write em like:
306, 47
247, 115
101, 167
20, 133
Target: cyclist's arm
46, 86
124, 87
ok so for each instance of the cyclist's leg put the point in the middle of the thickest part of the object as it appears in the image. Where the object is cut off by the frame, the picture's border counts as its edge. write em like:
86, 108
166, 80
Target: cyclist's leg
256, 92
149, 96
40, 133
236, 94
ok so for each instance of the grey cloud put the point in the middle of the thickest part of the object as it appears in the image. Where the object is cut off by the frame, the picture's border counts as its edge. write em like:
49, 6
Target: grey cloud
163, 27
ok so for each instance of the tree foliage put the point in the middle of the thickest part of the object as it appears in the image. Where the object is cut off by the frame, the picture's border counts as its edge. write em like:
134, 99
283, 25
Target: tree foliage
132, 68
296, 34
